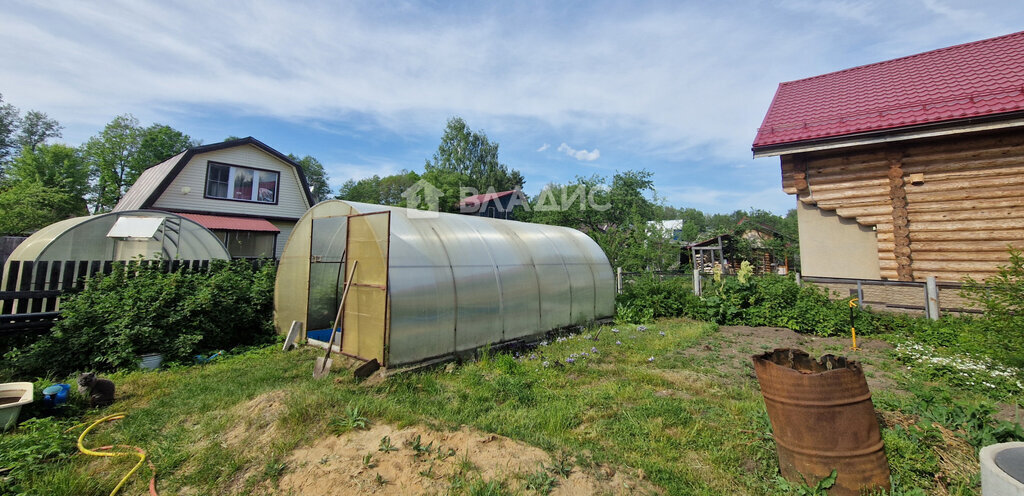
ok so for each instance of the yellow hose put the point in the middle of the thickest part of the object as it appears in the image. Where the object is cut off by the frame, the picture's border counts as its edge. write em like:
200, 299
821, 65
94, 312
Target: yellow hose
141, 454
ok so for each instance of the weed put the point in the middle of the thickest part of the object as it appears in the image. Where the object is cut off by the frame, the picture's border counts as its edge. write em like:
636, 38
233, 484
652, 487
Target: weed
352, 420
380, 480
273, 470
385, 445
443, 454
368, 461
428, 472
419, 447
819, 489
562, 465
541, 481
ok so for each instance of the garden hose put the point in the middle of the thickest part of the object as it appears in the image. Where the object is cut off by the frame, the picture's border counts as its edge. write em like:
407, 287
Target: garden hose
141, 453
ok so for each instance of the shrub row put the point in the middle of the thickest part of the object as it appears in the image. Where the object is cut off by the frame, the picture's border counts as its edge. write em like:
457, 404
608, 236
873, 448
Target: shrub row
773, 300
138, 309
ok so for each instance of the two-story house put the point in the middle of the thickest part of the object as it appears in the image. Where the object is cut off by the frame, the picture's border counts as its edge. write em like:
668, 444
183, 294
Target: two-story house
249, 194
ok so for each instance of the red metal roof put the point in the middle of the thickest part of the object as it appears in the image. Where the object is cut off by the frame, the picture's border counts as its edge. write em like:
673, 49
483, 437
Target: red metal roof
977, 79
484, 198
226, 223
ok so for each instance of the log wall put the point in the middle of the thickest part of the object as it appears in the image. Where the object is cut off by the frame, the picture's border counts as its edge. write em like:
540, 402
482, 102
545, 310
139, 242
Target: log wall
958, 221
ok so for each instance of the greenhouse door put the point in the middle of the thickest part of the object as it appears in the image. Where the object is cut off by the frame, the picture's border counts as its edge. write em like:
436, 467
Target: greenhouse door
366, 308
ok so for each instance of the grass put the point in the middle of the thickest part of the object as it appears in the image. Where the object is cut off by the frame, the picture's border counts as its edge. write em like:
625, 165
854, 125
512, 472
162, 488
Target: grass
642, 406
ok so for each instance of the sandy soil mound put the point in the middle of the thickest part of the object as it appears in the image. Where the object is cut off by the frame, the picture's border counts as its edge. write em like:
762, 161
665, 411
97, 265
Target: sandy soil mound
335, 465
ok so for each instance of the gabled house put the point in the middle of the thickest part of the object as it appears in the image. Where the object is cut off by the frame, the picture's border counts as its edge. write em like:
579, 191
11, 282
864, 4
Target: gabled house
496, 205
907, 168
249, 194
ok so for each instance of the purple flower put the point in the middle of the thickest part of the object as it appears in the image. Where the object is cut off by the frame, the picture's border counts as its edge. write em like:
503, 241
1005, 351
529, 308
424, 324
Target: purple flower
641, 328
545, 363
618, 342
533, 356
651, 359
615, 330
570, 360
593, 350
662, 333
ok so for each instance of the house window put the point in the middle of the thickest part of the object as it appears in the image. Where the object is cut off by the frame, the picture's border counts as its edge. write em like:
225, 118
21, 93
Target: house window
248, 244
231, 182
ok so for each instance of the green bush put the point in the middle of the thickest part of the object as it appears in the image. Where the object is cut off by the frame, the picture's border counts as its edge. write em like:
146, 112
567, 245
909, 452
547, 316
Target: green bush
1002, 298
141, 309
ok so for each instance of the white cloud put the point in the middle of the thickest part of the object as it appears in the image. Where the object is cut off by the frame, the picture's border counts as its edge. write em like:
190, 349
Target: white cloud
543, 147
580, 154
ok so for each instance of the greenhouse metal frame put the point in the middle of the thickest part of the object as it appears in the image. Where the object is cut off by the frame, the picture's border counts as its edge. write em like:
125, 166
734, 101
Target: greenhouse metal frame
430, 285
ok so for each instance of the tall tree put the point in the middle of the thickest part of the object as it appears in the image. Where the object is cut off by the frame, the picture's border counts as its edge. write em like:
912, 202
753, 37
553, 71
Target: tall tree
378, 190
466, 158
316, 176
36, 127
119, 153
8, 131
54, 166
26, 206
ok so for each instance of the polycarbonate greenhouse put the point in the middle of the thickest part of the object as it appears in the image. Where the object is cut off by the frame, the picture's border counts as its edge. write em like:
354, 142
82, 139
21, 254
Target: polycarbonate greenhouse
428, 285
121, 236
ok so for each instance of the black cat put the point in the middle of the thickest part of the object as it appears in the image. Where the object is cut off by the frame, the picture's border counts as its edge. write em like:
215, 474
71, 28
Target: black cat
99, 391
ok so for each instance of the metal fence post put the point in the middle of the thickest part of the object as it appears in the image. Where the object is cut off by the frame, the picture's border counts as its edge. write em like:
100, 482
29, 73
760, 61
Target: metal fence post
931, 303
696, 282
618, 280
797, 274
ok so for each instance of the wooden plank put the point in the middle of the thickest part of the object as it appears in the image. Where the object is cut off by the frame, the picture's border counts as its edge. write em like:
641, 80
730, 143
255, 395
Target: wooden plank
24, 284
52, 303
38, 284
14, 295
956, 215
81, 274
12, 283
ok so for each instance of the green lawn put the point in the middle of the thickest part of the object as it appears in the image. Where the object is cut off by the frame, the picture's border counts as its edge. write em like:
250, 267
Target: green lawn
636, 401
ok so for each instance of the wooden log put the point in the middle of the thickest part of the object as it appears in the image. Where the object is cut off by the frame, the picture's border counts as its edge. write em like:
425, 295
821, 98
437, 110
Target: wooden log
887, 247
996, 224
873, 182
963, 147
914, 196
873, 219
931, 186
962, 205
1004, 213
967, 255
889, 274
884, 227
945, 172
888, 265
854, 202
956, 266
986, 235
954, 276
964, 246
874, 208
874, 191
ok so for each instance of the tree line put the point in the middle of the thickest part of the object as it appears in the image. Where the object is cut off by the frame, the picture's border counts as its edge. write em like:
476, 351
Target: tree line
43, 182
622, 213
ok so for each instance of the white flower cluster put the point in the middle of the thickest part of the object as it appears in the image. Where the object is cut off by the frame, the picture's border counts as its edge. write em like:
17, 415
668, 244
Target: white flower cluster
967, 365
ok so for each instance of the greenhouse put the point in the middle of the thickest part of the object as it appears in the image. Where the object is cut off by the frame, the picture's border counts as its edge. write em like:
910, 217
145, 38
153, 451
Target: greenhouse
121, 236
428, 285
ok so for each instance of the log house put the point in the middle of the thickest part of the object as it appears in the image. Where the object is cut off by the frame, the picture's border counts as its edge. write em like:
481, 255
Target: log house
908, 168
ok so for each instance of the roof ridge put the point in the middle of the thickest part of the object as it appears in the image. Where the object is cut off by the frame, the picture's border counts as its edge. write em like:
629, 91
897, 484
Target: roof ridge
906, 57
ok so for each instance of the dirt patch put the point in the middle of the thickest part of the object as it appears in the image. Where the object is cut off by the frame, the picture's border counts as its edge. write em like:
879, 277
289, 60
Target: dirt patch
729, 351
337, 465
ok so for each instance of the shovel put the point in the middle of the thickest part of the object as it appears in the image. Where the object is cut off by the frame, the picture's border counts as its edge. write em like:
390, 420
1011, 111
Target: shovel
322, 367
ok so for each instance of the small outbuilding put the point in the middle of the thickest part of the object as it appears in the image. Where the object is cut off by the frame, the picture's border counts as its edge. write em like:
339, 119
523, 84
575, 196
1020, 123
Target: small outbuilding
429, 285
119, 236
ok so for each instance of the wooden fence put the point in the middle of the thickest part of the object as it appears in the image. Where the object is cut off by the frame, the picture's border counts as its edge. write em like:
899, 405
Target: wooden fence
30, 298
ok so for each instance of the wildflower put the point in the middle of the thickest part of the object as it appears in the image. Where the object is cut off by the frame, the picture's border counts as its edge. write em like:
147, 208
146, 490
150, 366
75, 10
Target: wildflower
662, 333
570, 360
651, 359
560, 339
641, 328
618, 342
615, 331
545, 363
588, 336
543, 343
593, 350
533, 356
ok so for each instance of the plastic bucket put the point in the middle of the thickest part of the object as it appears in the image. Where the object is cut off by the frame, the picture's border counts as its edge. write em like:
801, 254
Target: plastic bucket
151, 361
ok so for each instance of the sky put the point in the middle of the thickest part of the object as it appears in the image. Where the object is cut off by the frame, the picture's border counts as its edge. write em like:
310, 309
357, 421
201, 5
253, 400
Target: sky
565, 88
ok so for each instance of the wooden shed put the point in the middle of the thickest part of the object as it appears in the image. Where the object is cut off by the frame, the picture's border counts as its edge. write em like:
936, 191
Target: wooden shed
907, 168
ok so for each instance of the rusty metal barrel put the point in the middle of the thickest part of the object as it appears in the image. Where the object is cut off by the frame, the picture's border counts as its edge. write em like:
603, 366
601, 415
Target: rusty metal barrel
823, 420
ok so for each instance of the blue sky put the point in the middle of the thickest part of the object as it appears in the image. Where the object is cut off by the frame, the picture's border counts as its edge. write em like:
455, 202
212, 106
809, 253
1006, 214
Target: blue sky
565, 88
